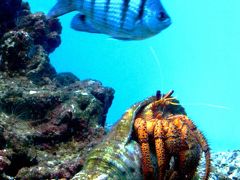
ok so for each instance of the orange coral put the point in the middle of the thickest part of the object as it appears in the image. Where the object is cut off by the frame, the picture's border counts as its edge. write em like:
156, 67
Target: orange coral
176, 140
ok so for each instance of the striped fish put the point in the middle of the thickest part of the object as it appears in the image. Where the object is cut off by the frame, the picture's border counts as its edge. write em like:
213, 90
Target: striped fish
121, 19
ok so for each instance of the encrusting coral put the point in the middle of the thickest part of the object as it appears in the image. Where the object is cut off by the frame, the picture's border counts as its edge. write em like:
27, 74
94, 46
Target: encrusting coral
48, 121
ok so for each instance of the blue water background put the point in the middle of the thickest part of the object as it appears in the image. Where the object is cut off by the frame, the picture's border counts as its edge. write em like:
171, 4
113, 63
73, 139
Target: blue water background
198, 56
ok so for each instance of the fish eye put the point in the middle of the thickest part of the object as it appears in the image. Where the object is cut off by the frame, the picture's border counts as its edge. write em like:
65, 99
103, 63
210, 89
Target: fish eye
162, 16
82, 17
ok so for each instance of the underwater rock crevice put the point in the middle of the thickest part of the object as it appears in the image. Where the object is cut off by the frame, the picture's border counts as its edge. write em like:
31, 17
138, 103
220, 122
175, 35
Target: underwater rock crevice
20, 161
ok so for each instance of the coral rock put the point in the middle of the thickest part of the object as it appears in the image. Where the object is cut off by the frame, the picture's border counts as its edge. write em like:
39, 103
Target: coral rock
48, 121
44, 32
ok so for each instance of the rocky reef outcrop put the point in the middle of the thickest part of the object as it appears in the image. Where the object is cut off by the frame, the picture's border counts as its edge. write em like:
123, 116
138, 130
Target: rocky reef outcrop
49, 121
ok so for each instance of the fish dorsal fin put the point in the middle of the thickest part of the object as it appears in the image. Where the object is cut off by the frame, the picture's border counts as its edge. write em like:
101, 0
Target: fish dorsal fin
81, 23
62, 7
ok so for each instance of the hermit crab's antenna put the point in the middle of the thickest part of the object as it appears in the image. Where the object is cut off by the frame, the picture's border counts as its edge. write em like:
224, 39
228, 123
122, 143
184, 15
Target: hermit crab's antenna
164, 100
168, 95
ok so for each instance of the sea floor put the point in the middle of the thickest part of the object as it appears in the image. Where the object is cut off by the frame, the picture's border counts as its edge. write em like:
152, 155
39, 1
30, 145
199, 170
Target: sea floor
225, 165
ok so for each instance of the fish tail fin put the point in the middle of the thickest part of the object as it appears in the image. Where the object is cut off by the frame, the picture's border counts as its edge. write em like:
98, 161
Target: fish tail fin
62, 7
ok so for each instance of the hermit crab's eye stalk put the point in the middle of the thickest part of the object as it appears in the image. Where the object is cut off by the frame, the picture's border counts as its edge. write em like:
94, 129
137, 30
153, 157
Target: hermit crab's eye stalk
158, 95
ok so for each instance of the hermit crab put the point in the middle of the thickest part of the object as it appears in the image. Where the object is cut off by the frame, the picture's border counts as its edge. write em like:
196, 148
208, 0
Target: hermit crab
171, 138
154, 135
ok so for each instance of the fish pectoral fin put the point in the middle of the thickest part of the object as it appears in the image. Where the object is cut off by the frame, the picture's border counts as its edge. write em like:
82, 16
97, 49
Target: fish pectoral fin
62, 7
81, 23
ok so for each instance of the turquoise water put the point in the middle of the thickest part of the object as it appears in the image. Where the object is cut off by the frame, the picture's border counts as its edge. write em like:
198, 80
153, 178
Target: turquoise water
198, 56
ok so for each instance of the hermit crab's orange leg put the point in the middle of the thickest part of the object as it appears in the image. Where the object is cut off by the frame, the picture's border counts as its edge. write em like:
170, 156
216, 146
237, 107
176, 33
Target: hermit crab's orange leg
162, 158
204, 145
187, 158
201, 140
140, 127
188, 162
